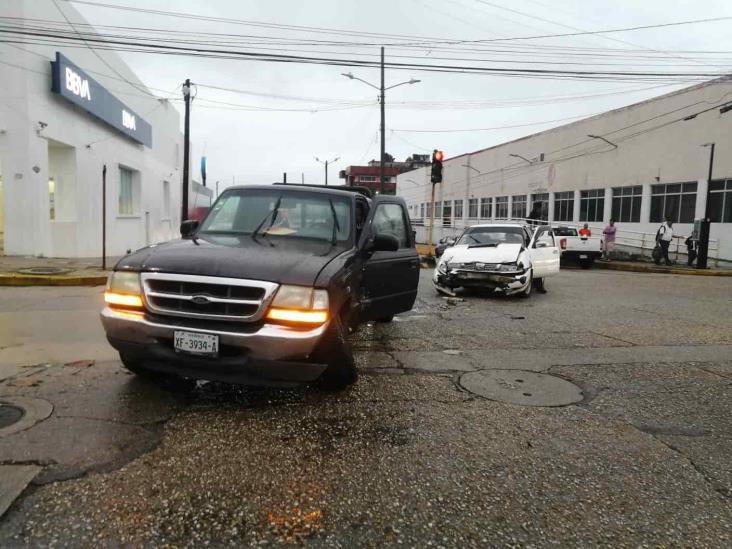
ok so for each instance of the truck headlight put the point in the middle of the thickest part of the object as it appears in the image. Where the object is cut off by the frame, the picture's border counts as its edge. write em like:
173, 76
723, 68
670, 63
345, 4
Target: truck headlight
299, 305
124, 290
442, 267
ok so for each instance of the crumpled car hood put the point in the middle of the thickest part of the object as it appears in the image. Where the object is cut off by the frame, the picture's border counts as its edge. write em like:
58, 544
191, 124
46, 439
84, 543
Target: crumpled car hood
503, 253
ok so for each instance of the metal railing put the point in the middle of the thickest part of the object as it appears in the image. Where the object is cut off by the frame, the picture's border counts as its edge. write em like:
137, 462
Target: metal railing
643, 242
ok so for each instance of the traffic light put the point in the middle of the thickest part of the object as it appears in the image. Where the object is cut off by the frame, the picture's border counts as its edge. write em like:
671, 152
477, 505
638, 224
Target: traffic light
437, 157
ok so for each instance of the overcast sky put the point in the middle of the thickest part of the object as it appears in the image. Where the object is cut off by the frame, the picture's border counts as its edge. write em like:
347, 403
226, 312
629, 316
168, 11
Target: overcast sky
252, 146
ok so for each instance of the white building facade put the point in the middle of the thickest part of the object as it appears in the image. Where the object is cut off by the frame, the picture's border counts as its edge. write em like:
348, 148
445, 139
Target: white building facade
64, 115
635, 164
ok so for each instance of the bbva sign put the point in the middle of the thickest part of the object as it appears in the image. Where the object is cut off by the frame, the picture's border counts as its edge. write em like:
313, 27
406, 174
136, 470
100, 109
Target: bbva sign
74, 85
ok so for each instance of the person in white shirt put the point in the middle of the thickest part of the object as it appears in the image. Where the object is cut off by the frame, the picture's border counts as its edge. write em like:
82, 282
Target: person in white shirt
665, 235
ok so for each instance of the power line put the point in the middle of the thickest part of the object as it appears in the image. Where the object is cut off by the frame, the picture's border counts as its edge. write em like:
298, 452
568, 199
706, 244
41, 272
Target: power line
281, 58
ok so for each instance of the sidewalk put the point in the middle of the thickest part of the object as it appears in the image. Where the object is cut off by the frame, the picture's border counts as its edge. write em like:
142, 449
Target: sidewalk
676, 268
46, 271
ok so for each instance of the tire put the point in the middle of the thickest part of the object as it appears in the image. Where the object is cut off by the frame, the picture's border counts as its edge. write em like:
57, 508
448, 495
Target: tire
167, 381
385, 319
335, 351
136, 368
527, 292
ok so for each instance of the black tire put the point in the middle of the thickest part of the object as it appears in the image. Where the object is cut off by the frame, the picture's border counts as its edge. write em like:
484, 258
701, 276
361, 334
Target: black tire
385, 319
335, 351
170, 382
136, 367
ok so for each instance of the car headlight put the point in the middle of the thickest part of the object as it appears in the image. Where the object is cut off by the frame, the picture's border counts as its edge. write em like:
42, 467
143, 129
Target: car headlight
509, 267
442, 267
299, 305
124, 290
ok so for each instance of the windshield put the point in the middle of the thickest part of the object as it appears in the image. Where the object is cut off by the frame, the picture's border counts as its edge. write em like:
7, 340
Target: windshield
565, 231
492, 236
279, 212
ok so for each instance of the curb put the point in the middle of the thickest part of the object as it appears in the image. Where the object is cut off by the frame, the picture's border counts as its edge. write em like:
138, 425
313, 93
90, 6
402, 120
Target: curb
52, 280
658, 270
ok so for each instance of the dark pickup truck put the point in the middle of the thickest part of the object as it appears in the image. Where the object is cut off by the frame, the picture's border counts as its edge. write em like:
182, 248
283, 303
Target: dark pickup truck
266, 289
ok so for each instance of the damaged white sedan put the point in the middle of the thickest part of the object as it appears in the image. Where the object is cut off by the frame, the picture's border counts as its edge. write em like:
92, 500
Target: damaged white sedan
507, 258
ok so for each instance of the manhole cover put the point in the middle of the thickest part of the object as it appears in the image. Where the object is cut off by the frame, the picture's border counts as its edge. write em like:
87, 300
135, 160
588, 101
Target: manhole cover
44, 270
9, 415
18, 413
521, 387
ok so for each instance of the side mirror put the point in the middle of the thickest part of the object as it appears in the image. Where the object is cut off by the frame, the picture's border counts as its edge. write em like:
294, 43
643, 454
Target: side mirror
188, 227
450, 241
384, 243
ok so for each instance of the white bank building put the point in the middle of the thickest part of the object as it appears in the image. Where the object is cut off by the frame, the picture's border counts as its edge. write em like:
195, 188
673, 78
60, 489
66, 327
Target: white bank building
636, 165
65, 115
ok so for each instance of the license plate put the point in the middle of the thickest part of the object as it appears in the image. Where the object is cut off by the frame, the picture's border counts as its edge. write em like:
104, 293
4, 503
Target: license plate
583, 256
195, 343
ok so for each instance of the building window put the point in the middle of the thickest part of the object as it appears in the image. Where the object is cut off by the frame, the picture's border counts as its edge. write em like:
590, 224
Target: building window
564, 206
429, 210
627, 204
458, 210
677, 201
540, 203
438, 210
518, 207
720, 201
127, 194
592, 205
51, 199
367, 179
473, 208
421, 210
447, 214
502, 207
486, 207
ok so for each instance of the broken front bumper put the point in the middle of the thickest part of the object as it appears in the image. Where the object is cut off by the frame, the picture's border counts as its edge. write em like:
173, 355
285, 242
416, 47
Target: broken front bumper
507, 282
269, 354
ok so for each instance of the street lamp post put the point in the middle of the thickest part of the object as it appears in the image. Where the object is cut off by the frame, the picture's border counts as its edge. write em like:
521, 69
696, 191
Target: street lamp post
382, 102
326, 162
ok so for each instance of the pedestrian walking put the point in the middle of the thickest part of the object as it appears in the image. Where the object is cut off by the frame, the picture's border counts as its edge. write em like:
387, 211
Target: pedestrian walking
609, 245
535, 214
585, 231
664, 236
690, 250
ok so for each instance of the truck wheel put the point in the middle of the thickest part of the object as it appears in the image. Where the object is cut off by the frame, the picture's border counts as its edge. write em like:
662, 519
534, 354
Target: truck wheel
135, 367
167, 381
335, 351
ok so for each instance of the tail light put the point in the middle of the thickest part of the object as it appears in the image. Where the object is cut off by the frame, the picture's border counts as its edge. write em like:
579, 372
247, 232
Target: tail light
563, 243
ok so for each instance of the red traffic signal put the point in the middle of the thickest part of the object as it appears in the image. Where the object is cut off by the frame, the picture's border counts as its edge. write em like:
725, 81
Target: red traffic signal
436, 176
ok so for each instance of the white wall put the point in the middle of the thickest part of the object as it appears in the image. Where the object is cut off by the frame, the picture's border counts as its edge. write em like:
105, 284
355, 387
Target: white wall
573, 161
26, 99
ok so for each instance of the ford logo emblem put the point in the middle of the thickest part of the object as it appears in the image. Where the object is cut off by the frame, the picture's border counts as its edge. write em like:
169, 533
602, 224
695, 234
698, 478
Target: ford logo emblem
200, 299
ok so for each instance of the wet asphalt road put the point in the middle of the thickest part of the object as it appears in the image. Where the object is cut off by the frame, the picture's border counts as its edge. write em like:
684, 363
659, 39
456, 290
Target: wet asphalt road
406, 456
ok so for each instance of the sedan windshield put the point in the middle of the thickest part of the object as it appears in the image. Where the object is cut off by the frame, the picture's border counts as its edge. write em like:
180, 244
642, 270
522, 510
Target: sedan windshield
280, 213
492, 236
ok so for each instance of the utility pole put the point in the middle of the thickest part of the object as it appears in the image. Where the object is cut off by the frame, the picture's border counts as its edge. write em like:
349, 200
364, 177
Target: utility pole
284, 177
382, 171
186, 149
704, 230
326, 173
104, 217
325, 163
217, 189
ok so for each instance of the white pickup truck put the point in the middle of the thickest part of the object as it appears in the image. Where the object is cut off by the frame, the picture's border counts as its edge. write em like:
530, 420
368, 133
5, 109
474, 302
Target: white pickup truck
581, 249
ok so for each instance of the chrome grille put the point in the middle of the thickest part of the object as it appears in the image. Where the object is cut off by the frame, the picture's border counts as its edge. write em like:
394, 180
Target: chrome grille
207, 297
